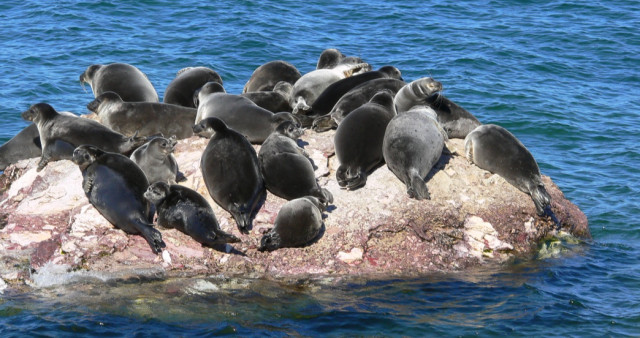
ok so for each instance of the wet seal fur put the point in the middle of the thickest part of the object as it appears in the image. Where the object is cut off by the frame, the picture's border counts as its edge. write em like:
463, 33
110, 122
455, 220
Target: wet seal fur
188, 80
187, 211
493, 148
128, 81
115, 186
298, 223
413, 144
286, 168
231, 172
61, 134
144, 118
358, 140
156, 160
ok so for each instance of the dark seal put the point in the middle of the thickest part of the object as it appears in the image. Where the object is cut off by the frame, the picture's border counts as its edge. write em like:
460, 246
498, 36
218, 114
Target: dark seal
115, 186
187, 211
231, 172
265, 77
181, 89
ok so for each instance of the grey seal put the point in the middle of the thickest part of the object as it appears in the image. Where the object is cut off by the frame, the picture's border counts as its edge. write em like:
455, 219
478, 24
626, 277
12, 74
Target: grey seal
187, 211
358, 140
493, 148
239, 113
276, 100
61, 134
265, 77
286, 168
231, 172
188, 80
115, 186
156, 160
354, 99
456, 121
331, 57
126, 80
413, 143
307, 89
299, 222
144, 118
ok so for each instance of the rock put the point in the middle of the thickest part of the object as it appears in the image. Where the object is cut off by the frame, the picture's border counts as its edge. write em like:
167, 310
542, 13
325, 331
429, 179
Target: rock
48, 226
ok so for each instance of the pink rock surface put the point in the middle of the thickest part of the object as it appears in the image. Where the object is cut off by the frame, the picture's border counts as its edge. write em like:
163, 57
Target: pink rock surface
473, 218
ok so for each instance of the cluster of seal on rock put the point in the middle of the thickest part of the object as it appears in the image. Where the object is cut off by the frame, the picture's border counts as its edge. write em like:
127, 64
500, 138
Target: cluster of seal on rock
379, 117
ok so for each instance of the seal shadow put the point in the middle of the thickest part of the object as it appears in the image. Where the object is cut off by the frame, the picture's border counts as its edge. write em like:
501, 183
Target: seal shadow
223, 249
446, 156
329, 209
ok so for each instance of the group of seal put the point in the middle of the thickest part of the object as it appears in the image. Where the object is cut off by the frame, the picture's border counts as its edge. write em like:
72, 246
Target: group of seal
379, 117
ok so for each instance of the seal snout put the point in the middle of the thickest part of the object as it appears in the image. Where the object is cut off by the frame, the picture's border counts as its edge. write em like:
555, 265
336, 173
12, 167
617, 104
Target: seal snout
28, 114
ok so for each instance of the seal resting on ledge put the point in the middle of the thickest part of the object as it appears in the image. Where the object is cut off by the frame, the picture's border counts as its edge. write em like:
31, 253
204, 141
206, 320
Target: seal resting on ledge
474, 218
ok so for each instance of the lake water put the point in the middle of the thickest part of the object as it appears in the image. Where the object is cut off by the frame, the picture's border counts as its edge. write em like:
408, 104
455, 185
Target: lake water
563, 76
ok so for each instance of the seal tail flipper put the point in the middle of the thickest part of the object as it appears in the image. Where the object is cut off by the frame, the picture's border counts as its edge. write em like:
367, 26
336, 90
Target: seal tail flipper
542, 200
242, 218
152, 236
300, 107
357, 180
417, 188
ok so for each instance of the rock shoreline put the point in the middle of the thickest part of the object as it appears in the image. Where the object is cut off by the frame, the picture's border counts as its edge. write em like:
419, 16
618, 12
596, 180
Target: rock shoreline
473, 218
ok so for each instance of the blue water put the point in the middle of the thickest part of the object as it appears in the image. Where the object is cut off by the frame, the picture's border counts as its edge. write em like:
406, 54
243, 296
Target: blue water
563, 76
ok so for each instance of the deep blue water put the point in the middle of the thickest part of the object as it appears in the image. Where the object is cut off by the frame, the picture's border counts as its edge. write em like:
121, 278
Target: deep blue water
563, 76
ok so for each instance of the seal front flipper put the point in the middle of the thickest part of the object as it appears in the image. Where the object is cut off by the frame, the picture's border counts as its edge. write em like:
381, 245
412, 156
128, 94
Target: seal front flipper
417, 188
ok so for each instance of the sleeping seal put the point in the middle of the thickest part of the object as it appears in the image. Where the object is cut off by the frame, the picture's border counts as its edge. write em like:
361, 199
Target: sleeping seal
299, 221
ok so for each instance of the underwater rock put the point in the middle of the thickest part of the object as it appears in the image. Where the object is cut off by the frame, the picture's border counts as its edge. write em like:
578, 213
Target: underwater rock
473, 217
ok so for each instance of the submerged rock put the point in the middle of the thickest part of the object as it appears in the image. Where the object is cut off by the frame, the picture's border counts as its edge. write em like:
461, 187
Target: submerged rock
48, 228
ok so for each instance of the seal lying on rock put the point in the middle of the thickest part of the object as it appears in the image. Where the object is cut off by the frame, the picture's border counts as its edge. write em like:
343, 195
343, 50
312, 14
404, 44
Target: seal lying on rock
144, 118
128, 81
61, 134
298, 222
186, 210
231, 172
156, 160
269, 74
181, 89
286, 168
115, 186
495, 149
413, 143
275, 101
359, 138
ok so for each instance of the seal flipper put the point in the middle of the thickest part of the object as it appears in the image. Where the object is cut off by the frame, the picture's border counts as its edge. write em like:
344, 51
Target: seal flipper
54, 151
416, 187
542, 201
153, 236
242, 218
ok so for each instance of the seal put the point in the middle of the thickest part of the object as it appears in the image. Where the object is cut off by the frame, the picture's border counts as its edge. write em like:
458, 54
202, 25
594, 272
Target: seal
188, 80
115, 186
354, 99
187, 211
331, 57
456, 121
412, 145
128, 81
328, 98
24, 145
312, 84
274, 101
239, 113
156, 160
358, 140
231, 172
493, 148
61, 134
265, 77
299, 222
144, 118
415, 93
286, 168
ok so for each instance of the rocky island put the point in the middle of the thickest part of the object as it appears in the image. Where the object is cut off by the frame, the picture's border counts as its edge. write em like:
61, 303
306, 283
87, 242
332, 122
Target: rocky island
473, 218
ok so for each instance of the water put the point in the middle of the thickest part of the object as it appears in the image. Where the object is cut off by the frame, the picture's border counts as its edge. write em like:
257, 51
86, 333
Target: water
561, 75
